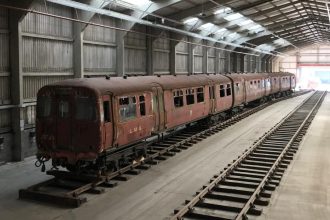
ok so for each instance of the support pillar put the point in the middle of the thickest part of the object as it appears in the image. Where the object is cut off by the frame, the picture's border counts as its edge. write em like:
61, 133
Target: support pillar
217, 61
16, 83
205, 60
191, 59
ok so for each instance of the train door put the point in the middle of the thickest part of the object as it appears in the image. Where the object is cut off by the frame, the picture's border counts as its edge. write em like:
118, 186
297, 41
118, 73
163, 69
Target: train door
107, 121
63, 122
245, 90
212, 98
158, 108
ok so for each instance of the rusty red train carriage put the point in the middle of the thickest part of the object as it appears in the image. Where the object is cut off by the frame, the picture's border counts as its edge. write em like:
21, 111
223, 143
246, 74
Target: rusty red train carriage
79, 119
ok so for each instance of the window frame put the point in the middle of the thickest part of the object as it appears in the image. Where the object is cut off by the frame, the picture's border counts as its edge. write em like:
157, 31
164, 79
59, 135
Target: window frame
131, 103
178, 93
198, 93
190, 93
222, 91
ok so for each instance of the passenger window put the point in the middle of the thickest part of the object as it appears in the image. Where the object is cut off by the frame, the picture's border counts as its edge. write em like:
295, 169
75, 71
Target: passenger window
106, 111
85, 109
259, 85
190, 96
237, 87
127, 109
200, 95
44, 106
178, 98
142, 105
228, 90
222, 91
63, 109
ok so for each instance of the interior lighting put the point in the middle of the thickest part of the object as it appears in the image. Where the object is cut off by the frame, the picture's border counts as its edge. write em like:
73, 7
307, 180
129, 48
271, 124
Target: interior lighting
207, 26
233, 17
222, 10
137, 2
255, 27
246, 22
220, 30
190, 20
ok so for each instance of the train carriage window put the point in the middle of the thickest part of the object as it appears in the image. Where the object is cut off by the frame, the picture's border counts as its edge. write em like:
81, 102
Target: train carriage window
127, 108
85, 108
259, 85
190, 96
63, 109
237, 87
44, 106
200, 95
251, 84
106, 111
222, 91
142, 105
178, 98
228, 89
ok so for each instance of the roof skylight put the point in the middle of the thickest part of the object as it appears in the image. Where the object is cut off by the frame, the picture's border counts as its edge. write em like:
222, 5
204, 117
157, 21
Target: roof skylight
190, 20
222, 10
221, 30
233, 17
207, 26
254, 27
246, 22
137, 2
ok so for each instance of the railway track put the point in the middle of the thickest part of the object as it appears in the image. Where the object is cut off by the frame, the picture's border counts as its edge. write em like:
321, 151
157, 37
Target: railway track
65, 188
245, 185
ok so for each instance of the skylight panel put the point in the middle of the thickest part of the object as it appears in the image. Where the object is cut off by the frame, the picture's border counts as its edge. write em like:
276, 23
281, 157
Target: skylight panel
257, 26
246, 22
220, 30
190, 20
233, 17
137, 2
222, 10
232, 35
207, 26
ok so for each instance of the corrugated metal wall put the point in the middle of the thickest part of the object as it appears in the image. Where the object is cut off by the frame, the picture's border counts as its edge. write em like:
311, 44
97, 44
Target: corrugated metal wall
198, 59
4, 59
181, 51
161, 54
32, 84
136, 51
44, 55
5, 114
100, 47
211, 60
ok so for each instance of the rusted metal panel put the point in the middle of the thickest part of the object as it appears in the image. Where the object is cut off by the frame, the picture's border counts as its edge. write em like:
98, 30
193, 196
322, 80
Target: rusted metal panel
43, 55
138, 127
45, 25
180, 115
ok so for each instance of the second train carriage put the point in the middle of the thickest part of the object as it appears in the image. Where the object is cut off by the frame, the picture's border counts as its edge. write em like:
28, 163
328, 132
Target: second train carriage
80, 119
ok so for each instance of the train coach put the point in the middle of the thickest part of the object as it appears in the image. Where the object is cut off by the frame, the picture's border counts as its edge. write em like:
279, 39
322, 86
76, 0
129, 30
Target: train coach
81, 122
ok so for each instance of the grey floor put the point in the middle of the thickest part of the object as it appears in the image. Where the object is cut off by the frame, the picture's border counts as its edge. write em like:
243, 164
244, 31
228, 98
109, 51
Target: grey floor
155, 193
304, 192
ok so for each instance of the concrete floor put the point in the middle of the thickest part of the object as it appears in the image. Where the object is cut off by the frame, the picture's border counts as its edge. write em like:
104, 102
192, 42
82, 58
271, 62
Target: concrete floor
304, 192
155, 193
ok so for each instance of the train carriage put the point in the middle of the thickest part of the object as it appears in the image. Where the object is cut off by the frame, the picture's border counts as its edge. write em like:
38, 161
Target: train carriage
80, 119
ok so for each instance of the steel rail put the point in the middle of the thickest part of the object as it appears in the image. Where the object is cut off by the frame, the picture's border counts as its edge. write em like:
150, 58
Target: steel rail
200, 196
